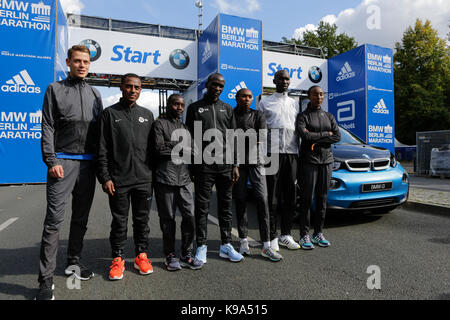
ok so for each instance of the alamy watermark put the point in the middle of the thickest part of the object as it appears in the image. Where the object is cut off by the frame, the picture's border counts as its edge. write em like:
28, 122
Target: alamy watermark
73, 281
374, 280
214, 146
373, 22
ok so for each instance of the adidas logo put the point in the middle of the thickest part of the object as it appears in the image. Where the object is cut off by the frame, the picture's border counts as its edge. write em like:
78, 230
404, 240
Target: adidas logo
232, 94
21, 83
207, 53
381, 108
345, 73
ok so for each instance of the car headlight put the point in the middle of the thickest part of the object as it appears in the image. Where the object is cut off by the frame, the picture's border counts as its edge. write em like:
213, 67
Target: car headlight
393, 161
336, 165
334, 184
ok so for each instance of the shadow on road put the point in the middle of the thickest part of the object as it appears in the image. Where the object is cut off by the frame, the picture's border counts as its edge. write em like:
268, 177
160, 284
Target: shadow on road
96, 255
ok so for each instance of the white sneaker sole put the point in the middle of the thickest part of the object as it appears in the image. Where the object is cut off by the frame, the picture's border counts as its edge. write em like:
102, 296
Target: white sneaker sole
289, 246
116, 278
268, 257
322, 245
225, 256
140, 271
69, 273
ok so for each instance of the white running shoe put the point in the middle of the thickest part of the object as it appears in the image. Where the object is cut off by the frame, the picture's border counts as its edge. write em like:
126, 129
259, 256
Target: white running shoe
244, 249
289, 242
274, 245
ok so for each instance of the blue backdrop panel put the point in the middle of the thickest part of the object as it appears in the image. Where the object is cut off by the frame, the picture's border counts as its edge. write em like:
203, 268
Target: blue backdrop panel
62, 39
207, 54
380, 97
27, 60
240, 56
346, 90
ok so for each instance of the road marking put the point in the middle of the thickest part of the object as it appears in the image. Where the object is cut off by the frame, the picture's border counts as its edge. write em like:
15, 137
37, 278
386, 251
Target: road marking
251, 242
7, 223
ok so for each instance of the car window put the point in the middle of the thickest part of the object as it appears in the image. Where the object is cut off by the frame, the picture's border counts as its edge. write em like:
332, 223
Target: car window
348, 138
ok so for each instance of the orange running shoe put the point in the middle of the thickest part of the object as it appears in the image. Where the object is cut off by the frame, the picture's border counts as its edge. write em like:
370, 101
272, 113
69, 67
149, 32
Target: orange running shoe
143, 264
117, 269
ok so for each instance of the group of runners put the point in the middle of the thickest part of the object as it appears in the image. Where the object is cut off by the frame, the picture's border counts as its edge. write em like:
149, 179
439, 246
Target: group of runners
133, 155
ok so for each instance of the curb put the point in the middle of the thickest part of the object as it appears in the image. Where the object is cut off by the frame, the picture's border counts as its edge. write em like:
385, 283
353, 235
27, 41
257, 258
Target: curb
427, 208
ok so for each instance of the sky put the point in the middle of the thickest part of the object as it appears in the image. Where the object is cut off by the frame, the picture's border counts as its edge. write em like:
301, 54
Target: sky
379, 22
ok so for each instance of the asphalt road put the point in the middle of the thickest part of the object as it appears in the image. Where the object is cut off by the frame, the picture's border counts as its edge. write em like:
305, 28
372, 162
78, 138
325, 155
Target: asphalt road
411, 250
430, 183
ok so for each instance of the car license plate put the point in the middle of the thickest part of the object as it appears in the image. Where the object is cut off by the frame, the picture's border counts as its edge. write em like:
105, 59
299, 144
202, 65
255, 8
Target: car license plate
373, 187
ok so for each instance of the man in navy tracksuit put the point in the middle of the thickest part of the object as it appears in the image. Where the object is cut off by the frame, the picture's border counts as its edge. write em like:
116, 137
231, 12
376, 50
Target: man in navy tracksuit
124, 170
172, 190
215, 118
249, 123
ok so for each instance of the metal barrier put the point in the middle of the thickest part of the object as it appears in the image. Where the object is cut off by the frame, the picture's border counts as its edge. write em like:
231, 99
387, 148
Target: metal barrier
433, 153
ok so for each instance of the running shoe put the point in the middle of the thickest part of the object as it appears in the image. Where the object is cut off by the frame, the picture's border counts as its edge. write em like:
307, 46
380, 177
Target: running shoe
191, 263
320, 240
271, 254
289, 242
172, 263
305, 243
143, 264
78, 270
116, 269
46, 290
274, 245
244, 249
201, 253
227, 251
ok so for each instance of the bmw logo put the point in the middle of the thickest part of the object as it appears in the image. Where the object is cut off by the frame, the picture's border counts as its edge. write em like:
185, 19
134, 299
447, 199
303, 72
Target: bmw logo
179, 59
315, 74
94, 48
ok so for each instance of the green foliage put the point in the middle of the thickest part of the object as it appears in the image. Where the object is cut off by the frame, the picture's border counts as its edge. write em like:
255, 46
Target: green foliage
325, 37
421, 82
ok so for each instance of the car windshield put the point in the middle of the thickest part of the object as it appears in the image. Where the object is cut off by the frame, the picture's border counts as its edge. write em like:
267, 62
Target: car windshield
349, 138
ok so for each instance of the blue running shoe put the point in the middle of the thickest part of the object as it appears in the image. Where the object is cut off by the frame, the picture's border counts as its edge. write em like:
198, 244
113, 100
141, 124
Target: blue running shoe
200, 254
305, 243
172, 263
227, 251
320, 240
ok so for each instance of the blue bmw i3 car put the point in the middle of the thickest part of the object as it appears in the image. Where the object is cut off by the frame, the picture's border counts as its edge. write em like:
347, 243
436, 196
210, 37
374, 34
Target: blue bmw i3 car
365, 177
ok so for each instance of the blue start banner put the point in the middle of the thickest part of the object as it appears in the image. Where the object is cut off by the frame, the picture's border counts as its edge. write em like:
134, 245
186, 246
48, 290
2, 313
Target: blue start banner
232, 46
28, 65
380, 97
361, 93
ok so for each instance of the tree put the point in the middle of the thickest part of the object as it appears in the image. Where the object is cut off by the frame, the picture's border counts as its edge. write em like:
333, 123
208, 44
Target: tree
326, 38
421, 82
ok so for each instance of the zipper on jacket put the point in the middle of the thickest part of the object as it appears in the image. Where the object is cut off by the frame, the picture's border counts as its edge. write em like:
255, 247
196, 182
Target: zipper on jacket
82, 118
214, 115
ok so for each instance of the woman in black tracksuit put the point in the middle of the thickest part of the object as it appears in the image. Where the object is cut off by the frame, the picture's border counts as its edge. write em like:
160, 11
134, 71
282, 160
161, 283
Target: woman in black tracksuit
318, 130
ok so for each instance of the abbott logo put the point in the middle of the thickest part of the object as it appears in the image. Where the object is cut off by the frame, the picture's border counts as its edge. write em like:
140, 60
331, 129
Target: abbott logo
348, 108
345, 73
380, 108
233, 92
21, 83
